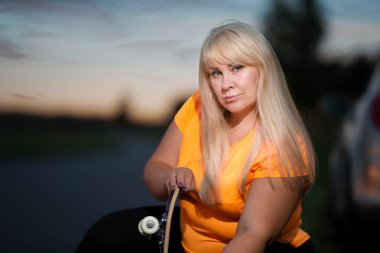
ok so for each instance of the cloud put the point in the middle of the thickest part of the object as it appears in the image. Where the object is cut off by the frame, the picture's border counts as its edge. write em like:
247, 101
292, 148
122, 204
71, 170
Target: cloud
11, 50
152, 44
188, 52
81, 19
44, 10
23, 97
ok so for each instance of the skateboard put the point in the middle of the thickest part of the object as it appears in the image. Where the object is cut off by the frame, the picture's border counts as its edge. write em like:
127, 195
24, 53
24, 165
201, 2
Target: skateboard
150, 225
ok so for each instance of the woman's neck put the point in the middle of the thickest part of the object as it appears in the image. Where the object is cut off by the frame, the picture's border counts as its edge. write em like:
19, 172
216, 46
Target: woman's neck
240, 126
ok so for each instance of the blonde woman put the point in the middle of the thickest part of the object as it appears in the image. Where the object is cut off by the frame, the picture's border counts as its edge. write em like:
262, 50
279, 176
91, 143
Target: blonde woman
238, 150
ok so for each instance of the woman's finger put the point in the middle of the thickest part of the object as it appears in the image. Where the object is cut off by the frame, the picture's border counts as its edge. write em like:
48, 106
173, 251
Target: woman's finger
171, 181
188, 181
180, 177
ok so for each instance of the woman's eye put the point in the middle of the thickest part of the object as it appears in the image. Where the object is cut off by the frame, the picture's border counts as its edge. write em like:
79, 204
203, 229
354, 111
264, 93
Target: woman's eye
215, 73
237, 68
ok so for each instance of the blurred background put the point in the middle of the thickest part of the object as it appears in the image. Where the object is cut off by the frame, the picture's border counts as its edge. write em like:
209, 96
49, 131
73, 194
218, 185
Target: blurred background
87, 89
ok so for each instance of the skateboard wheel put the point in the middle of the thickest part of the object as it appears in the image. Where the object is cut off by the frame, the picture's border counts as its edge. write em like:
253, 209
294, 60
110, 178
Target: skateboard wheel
149, 225
140, 230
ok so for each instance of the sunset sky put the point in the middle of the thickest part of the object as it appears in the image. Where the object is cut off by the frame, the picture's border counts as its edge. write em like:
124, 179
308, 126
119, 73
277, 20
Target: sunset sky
83, 57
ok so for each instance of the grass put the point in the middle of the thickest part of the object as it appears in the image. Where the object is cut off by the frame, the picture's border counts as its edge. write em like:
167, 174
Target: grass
18, 143
322, 129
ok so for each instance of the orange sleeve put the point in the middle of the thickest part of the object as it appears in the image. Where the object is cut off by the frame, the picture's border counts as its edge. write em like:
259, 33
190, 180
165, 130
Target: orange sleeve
185, 111
267, 164
262, 167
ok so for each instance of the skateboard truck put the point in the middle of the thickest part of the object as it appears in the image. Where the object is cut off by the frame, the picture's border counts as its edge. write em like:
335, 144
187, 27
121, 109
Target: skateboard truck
150, 225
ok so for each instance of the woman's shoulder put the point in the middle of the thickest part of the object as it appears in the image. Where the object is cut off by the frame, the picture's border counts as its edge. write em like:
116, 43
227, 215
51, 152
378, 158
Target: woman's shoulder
190, 110
193, 102
196, 97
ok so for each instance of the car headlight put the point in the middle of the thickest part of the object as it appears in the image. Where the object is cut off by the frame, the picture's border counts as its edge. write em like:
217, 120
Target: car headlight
373, 179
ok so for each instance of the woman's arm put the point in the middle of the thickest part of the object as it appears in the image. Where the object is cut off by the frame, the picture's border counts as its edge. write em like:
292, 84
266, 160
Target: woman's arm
268, 207
162, 162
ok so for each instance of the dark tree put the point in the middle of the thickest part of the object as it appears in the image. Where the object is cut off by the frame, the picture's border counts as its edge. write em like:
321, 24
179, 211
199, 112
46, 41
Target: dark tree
295, 30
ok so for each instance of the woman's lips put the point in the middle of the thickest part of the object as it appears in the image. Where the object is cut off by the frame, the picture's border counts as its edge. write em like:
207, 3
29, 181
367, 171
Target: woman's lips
231, 98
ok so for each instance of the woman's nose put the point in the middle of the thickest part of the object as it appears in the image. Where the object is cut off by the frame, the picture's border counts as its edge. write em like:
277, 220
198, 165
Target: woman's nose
227, 82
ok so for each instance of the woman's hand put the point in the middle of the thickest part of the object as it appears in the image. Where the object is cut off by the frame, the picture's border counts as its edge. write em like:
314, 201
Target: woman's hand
182, 178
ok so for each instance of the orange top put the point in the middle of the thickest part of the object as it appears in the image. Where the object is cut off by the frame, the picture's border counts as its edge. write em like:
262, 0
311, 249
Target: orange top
209, 229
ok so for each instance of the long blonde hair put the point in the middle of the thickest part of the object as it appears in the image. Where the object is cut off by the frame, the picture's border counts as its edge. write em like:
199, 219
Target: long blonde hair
278, 122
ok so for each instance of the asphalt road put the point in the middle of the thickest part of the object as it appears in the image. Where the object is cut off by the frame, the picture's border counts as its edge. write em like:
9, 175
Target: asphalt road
47, 204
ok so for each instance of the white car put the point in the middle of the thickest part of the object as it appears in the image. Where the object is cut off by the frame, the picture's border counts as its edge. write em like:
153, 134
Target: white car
355, 163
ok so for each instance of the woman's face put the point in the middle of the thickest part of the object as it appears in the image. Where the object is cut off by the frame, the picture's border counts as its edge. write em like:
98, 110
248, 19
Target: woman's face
236, 87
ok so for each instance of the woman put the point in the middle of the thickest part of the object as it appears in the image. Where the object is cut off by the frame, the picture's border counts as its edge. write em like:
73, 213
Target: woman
238, 150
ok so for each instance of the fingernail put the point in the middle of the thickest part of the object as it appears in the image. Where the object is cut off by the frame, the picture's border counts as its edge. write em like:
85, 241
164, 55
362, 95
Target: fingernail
186, 188
180, 184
